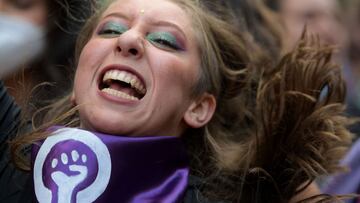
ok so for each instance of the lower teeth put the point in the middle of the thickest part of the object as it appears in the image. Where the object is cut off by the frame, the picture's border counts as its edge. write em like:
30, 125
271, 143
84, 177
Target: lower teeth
119, 94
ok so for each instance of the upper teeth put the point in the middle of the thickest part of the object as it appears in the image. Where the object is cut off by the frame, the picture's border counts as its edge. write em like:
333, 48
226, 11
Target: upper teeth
125, 77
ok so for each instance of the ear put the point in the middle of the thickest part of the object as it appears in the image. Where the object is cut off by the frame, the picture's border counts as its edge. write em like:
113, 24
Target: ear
72, 98
200, 111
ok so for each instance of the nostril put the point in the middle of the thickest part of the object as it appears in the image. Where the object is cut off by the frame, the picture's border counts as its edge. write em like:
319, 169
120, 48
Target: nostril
118, 49
133, 51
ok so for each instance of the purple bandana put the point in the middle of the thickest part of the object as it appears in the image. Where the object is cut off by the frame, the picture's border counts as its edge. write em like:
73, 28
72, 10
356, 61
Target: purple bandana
78, 166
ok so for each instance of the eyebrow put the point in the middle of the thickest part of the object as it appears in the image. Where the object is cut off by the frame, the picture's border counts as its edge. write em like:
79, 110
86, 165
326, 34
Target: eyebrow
155, 23
169, 24
119, 15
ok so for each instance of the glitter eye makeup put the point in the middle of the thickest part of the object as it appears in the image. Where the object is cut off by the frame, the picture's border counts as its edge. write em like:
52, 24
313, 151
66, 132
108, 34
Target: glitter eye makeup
164, 40
112, 29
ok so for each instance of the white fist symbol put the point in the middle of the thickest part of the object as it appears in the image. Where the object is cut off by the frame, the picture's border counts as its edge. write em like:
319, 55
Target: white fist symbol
67, 183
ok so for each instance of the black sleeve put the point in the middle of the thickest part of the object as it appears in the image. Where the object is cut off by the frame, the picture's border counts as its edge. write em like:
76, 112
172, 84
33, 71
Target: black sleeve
9, 115
12, 180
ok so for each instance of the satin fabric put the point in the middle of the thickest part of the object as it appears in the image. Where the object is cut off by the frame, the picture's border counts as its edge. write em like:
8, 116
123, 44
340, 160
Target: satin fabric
142, 169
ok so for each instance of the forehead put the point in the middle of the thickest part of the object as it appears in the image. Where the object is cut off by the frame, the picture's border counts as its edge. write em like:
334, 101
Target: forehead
150, 10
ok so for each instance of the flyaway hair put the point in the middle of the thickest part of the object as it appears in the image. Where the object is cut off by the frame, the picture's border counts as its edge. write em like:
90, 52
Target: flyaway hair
301, 129
296, 130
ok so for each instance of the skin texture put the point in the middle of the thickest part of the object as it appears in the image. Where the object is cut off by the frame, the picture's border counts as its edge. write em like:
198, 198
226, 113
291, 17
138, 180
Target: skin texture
319, 16
169, 74
34, 11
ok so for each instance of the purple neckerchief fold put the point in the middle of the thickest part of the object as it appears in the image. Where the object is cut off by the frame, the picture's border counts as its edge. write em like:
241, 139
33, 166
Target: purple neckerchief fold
79, 166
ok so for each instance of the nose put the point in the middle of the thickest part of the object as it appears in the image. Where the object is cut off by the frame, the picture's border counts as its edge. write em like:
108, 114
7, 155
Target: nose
130, 44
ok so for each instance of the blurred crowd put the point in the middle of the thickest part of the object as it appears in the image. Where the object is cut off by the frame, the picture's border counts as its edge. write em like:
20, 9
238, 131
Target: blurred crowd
278, 25
37, 39
45, 32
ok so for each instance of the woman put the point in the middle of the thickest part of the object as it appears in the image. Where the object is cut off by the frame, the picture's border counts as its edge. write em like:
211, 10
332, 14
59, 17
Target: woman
151, 75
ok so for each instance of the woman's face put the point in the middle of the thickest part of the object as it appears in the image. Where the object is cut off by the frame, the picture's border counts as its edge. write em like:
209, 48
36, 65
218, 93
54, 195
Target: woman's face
319, 16
135, 75
34, 11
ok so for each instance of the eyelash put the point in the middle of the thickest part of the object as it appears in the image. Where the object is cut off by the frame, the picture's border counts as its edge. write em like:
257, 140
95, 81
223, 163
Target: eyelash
166, 43
158, 40
111, 30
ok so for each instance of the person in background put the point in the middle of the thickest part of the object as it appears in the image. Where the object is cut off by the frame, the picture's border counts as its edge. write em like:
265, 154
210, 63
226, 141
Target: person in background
321, 18
349, 181
47, 73
351, 63
335, 23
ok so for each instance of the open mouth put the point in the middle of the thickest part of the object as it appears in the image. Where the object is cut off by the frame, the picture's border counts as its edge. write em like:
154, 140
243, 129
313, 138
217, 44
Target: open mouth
122, 84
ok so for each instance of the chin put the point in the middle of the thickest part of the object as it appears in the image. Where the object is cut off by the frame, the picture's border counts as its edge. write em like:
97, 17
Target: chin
107, 129
101, 127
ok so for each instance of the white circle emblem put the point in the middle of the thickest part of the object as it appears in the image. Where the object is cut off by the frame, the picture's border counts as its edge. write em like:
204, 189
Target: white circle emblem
88, 194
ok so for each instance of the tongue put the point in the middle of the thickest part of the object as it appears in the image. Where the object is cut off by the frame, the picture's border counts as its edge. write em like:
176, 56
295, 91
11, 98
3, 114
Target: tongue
122, 88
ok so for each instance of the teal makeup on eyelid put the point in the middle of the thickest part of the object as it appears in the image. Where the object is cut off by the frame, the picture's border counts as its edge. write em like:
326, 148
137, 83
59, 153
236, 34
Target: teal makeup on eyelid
164, 36
114, 27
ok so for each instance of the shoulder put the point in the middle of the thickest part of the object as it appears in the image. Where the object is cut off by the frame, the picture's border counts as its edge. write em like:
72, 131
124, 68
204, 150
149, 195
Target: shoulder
13, 181
15, 185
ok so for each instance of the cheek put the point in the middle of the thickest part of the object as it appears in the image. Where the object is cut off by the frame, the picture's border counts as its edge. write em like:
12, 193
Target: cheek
90, 59
93, 52
183, 68
179, 74
92, 56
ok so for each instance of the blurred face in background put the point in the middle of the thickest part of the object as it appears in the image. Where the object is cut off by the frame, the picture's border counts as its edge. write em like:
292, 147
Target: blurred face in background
321, 17
34, 11
353, 25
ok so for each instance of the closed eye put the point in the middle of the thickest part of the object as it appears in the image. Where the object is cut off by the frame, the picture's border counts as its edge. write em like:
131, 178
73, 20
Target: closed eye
164, 40
112, 29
